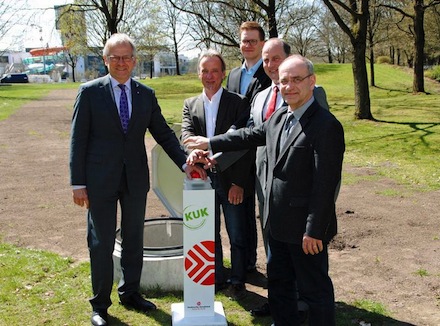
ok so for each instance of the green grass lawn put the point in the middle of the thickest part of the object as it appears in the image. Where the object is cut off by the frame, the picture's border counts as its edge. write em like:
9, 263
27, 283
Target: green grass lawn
403, 143
42, 288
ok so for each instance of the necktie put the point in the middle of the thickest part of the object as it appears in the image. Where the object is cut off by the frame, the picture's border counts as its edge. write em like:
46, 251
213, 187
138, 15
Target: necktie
123, 108
290, 121
272, 103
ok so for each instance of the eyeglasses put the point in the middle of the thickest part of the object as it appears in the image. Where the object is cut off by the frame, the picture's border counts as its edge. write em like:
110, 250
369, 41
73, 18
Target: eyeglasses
116, 58
249, 42
294, 80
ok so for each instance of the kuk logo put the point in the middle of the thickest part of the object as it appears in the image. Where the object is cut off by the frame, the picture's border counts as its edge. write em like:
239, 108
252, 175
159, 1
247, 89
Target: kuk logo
194, 218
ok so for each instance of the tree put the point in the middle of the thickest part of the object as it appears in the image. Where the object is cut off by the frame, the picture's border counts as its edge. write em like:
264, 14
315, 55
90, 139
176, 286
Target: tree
356, 30
12, 13
417, 30
301, 32
177, 30
72, 26
373, 25
137, 18
432, 46
103, 18
215, 23
334, 42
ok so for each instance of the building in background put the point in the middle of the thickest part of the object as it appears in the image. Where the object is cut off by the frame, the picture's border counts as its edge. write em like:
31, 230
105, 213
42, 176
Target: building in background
56, 62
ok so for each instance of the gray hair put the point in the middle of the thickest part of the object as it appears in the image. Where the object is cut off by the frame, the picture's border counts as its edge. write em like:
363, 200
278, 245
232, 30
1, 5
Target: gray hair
118, 39
210, 53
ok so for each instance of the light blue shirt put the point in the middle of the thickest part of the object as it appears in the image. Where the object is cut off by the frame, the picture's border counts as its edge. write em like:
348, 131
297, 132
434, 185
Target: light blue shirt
247, 75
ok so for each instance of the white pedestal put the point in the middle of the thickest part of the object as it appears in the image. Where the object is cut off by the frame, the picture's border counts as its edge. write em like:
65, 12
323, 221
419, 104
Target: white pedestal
178, 318
198, 307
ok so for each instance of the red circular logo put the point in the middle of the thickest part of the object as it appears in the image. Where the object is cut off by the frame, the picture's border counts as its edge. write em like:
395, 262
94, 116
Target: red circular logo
200, 263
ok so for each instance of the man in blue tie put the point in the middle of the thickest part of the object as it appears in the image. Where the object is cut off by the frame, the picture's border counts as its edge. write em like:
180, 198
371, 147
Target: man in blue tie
108, 163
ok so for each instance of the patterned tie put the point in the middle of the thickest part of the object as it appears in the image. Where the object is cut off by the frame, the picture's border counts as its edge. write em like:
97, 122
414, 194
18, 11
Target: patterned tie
290, 121
123, 108
272, 103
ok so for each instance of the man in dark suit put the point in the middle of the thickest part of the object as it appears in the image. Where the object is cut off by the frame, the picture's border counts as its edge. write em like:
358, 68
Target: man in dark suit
305, 147
108, 163
209, 114
274, 52
248, 80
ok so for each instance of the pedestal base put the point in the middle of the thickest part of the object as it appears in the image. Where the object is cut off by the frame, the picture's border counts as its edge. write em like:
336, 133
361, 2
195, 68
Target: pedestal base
219, 319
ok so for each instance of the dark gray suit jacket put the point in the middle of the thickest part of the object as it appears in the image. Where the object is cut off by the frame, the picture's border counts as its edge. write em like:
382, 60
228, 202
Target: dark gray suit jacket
99, 147
256, 119
302, 176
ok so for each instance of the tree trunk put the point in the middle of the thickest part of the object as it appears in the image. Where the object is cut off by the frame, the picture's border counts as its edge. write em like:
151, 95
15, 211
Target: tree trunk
419, 45
361, 90
371, 46
176, 55
273, 29
372, 80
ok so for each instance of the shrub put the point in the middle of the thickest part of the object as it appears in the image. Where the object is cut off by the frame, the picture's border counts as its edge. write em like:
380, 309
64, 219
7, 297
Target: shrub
383, 59
433, 72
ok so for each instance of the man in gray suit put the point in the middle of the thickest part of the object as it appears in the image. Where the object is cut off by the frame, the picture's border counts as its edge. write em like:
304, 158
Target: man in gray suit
305, 148
108, 164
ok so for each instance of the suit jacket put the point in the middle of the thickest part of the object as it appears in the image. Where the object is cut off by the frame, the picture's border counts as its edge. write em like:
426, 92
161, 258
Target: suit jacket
302, 176
257, 118
99, 148
231, 106
321, 97
259, 82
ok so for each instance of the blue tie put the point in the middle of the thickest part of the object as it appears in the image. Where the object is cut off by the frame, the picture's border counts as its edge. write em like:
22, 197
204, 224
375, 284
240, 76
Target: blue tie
123, 108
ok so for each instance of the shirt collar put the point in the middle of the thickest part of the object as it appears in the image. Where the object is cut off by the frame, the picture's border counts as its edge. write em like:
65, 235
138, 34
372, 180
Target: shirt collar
273, 85
115, 83
252, 69
298, 113
215, 97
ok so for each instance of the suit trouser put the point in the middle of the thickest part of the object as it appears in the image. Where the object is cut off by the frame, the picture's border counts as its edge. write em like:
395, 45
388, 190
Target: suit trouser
101, 222
234, 216
288, 267
251, 230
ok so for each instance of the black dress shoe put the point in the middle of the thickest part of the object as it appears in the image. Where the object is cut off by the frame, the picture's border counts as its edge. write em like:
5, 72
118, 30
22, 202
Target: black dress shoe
99, 318
136, 302
264, 310
238, 291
